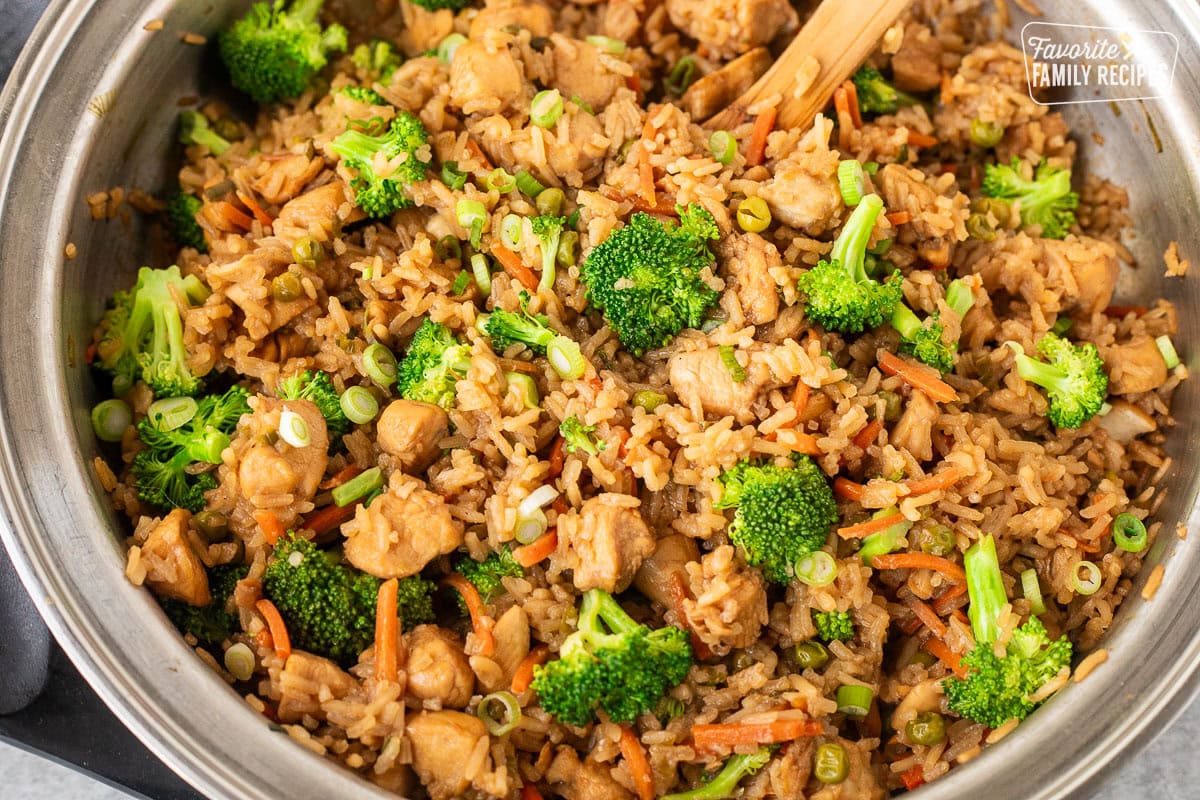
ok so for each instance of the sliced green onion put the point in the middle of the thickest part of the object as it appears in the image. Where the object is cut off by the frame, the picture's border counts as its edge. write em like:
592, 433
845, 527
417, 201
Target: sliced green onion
649, 399
452, 176
851, 181
1059, 328
1085, 578
887, 540
512, 230
540, 497
525, 387
359, 405
482, 272
960, 297
871, 167
448, 248
546, 108
530, 527
1129, 533
1168, 351
121, 383
110, 419
579, 101
723, 146
471, 214
566, 358
481, 323
528, 184
607, 44
239, 660
380, 364
500, 181
729, 359
681, 75
854, 700
1032, 591
357, 487
171, 412
293, 429
500, 712
461, 282
449, 46
817, 569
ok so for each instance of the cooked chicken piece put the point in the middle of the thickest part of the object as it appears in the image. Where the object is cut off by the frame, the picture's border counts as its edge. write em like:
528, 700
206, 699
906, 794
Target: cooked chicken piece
913, 431
719, 88
702, 380
571, 159
437, 667
401, 531
1093, 268
511, 633
172, 567
622, 19
670, 557
905, 189
317, 213
580, 72
1125, 422
925, 696
277, 475
730, 605
423, 29
1134, 367
485, 81
608, 541
800, 197
496, 14
286, 175
917, 66
589, 780
238, 281
731, 27
443, 742
303, 681
747, 260
410, 431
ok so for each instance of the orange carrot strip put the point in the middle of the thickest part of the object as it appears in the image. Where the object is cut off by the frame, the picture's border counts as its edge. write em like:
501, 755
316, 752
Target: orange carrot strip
639, 766
557, 457
899, 217
271, 527
478, 154
234, 215
919, 377
524, 674
943, 480
479, 620
279, 633
944, 604
342, 475
89, 355
263, 638
942, 652
540, 548
852, 102
763, 124
515, 267
800, 398
796, 441
920, 561
327, 519
724, 736
866, 437
560, 505
927, 616
530, 792
870, 526
646, 176
913, 777
249, 202
387, 620
848, 489
917, 139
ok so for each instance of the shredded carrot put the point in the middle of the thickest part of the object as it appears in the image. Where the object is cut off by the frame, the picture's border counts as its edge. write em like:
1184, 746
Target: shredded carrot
961, 616
920, 561
387, 621
679, 593
560, 505
918, 376
330, 518
942, 652
523, 677
913, 777
796, 441
948, 168
89, 355
927, 616
866, 437
639, 766
942, 480
852, 101
624, 435
946, 89
279, 634
557, 457
271, 527
479, 619
515, 267
920, 139
646, 189
263, 639
945, 603
478, 154
725, 736
233, 215
763, 124
342, 475
540, 548
1085, 546
530, 792
848, 489
800, 398
899, 217
634, 84
249, 202
870, 526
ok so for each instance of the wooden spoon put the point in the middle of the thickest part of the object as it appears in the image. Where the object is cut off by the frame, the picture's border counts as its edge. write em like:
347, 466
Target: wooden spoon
839, 35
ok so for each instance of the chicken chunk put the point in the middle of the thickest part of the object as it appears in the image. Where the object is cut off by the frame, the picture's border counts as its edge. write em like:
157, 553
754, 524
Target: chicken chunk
423, 28
719, 88
730, 605
803, 190
702, 381
443, 742
437, 668
571, 158
925, 696
498, 14
1134, 367
1125, 422
172, 567
401, 531
905, 189
485, 81
277, 475
317, 213
587, 780
410, 431
917, 65
1093, 269
670, 557
748, 260
732, 27
580, 72
914, 429
285, 176
304, 679
608, 542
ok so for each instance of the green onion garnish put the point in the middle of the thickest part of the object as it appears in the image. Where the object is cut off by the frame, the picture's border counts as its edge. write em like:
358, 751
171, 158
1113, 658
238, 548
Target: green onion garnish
887, 540
530, 526
546, 108
1129, 533
528, 184
500, 711
681, 75
817, 569
483, 273
452, 176
1085, 578
1168, 351
461, 282
723, 146
512, 229
357, 487
566, 358
293, 429
110, 419
359, 405
239, 660
850, 181
729, 359
447, 248
607, 44
171, 412
471, 214
854, 700
448, 46
525, 387
500, 181
1032, 591
379, 364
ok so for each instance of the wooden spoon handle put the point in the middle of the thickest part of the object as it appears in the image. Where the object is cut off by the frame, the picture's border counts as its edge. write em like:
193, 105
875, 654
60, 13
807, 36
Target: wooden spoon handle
839, 35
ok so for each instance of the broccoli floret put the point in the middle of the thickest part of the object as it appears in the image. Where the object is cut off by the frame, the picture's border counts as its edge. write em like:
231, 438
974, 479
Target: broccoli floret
724, 785
434, 5
548, 229
997, 688
273, 54
833, 626
141, 334
181, 214
783, 514
378, 59
841, 296
577, 436
506, 328
317, 386
213, 623
329, 608
379, 196
194, 129
876, 95
1074, 378
645, 277
1047, 200
433, 365
363, 94
488, 575
611, 663
926, 340
160, 470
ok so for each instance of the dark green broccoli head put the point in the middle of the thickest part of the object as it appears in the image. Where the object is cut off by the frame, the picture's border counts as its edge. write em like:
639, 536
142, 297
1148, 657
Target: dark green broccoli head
506, 328
578, 437
783, 514
213, 623
194, 129
181, 214
488, 575
833, 626
924, 340
1045, 200
363, 94
724, 784
876, 95
376, 195
1074, 379
164, 481
273, 54
377, 59
645, 277
433, 365
317, 386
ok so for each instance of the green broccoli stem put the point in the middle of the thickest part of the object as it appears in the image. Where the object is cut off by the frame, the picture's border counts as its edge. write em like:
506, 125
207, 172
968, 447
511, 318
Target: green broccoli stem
959, 297
549, 246
599, 604
985, 588
850, 249
906, 323
357, 145
1045, 375
724, 785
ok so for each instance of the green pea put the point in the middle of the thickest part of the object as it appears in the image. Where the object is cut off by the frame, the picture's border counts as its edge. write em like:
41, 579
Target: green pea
979, 228
891, 405
937, 540
811, 654
568, 249
649, 400
287, 287
927, 728
212, 525
985, 133
742, 660
831, 764
307, 252
227, 128
550, 202
753, 215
